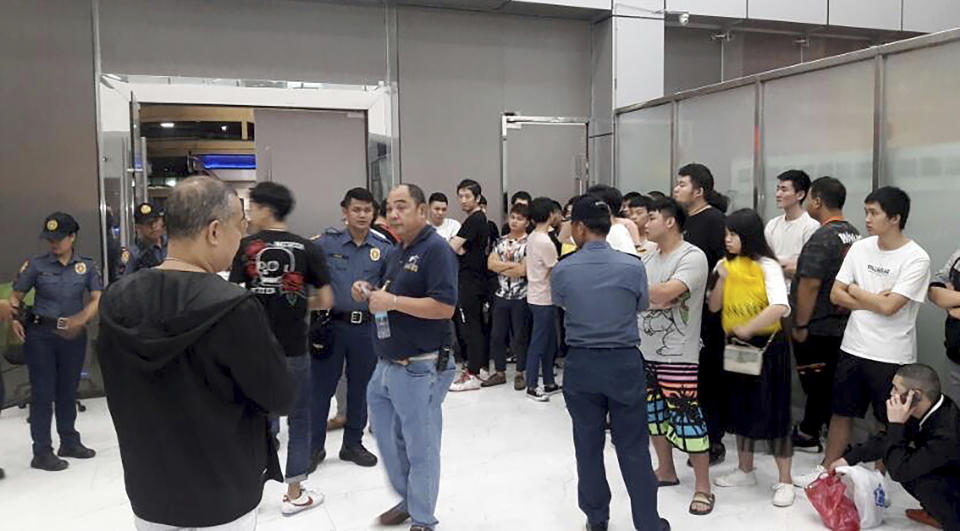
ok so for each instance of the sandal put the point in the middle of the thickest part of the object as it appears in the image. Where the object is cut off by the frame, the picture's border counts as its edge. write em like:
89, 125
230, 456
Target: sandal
668, 482
704, 499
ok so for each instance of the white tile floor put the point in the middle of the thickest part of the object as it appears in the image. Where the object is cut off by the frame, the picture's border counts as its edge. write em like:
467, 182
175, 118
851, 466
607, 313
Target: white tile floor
507, 464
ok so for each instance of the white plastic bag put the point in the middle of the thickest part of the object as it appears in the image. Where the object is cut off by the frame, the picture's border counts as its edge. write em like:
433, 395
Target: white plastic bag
869, 491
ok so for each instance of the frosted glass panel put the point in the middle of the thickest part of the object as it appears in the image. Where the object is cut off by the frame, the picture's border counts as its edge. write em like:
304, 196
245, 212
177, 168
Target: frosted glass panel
717, 130
643, 150
821, 122
923, 157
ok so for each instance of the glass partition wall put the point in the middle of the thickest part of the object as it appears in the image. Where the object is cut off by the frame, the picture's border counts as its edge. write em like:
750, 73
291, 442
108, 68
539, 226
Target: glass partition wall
875, 117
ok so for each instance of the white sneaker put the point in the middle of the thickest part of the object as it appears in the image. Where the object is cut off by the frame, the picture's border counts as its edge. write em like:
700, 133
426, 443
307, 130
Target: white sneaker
783, 495
466, 382
308, 500
737, 478
484, 374
806, 479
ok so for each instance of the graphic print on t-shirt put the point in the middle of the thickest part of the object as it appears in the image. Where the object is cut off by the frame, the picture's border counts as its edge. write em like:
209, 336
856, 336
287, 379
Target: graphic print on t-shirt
272, 269
662, 324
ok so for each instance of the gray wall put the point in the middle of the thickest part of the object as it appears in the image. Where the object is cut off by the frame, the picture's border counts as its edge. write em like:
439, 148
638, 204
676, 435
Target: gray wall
281, 40
48, 127
460, 71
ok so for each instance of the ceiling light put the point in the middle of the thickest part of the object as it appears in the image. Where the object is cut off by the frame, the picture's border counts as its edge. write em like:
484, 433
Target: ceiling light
167, 125
223, 128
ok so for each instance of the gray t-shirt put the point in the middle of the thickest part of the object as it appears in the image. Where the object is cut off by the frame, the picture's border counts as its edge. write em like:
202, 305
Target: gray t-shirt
672, 335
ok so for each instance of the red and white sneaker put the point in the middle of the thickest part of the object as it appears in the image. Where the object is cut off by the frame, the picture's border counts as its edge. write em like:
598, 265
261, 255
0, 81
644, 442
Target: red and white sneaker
308, 500
465, 382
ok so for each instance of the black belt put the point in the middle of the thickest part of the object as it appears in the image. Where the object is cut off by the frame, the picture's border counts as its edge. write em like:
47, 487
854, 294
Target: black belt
60, 323
357, 317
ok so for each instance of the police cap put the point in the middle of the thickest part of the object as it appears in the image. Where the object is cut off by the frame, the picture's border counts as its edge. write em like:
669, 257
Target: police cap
146, 212
58, 226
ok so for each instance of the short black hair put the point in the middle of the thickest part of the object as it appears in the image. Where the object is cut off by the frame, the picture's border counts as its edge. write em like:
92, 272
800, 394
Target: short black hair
521, 209
415, 192
630, 195
540, 209
746, 224
274, 196
608, 194
701, 177
557, 207
482, 200
799, 179
438, 197
829, 190
668, 207
893, 201
657, 194
471, 185
521, 195
639, 201
594, 213
921, 377
194, 203
358, 194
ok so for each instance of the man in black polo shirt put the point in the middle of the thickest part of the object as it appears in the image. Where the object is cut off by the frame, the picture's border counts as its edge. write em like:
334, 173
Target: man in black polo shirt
470, 244
414, 369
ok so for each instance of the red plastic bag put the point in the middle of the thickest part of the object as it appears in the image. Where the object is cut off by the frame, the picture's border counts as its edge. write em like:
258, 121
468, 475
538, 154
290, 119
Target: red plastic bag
827, 495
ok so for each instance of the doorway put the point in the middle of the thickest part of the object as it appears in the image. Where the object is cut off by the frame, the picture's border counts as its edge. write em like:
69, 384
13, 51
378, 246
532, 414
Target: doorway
545, 156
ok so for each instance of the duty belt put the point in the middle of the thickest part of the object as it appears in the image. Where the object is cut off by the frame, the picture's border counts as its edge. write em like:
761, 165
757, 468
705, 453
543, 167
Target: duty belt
60, 323
356, 317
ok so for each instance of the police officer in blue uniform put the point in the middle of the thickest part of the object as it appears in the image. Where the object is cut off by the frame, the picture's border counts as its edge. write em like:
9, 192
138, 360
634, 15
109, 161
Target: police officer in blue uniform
601, 291
54, 331
414, 370
354, 253
150, 247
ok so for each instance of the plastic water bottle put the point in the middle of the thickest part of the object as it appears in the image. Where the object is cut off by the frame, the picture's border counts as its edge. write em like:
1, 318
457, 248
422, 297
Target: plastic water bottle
383, 325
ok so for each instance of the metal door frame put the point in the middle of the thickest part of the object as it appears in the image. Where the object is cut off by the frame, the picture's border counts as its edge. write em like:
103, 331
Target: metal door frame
508, 119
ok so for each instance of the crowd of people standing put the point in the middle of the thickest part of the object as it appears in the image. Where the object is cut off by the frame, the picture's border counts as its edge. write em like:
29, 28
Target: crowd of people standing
658, 317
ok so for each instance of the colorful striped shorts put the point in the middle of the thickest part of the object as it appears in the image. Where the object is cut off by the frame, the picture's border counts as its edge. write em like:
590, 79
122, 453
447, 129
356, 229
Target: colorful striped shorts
673, 410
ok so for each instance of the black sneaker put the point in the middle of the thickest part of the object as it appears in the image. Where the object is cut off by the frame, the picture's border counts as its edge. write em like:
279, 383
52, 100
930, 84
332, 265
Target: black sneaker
2, 474
359, 455
664, 524
48, 462
77, 451
316, 457
805, 443
537, 395
551, 390
596, 527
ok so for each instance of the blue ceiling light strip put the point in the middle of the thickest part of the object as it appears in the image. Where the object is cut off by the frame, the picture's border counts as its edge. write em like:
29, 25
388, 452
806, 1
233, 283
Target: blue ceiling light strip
229, 162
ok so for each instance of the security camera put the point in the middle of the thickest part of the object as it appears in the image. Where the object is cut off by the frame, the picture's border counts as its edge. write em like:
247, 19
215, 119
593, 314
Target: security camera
684, 19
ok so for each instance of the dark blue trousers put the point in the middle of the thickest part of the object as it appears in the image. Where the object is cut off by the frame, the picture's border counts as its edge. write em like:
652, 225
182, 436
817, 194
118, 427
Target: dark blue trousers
54, 365
598, 383
353, 345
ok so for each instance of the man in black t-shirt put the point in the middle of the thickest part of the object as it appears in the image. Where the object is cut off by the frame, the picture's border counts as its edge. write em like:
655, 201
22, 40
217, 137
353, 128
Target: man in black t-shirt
705, 228
470, 244
818, 324
278, 266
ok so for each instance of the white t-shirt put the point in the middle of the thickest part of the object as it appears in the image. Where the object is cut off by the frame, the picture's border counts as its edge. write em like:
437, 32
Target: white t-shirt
620, 240
541, 257
672, 335
646, 249
905, 271
786, 238
448, 229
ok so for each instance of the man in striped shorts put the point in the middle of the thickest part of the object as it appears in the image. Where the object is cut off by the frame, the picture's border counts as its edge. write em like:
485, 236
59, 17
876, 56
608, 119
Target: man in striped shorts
670, 343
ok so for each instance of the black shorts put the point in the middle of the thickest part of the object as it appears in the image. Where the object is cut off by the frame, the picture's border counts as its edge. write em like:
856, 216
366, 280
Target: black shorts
859, 383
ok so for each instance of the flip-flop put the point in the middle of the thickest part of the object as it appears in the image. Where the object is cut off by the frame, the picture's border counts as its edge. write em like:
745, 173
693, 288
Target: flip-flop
704, 499
666, 483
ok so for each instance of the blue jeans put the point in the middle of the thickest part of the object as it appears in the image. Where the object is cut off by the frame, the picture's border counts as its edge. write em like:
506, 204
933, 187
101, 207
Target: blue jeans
543, 345
298, 421
405, 410
54, 365
603, 382
353, 344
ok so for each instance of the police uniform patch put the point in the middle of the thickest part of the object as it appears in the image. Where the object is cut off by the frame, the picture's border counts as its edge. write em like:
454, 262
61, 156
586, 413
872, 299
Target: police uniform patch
52, 225
25, 265
80, 268
375, 254
145, 209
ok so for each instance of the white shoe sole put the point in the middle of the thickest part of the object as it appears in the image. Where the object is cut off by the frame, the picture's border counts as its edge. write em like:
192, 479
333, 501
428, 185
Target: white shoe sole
297, 509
